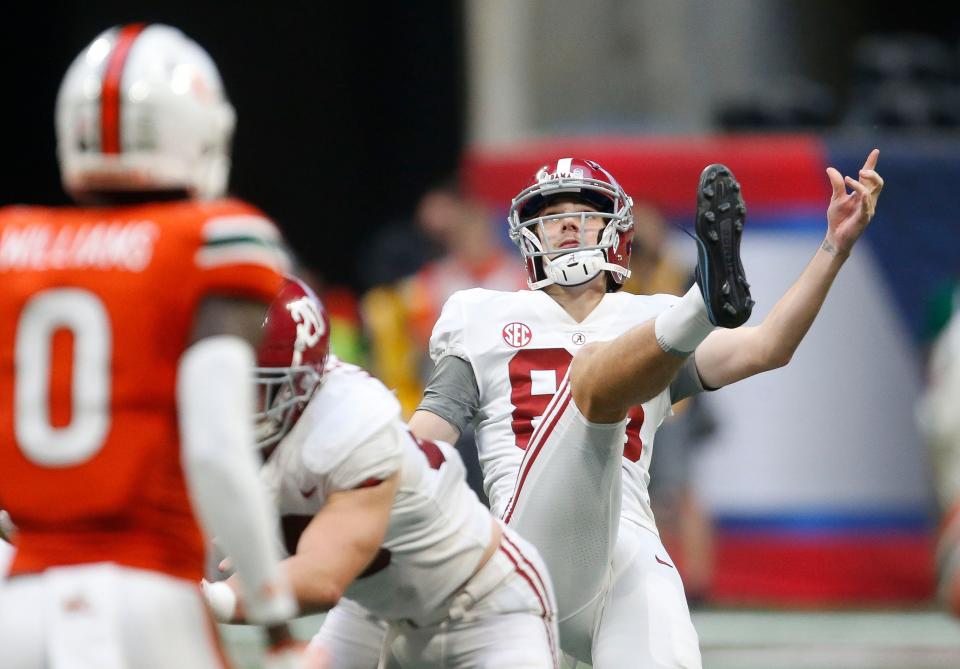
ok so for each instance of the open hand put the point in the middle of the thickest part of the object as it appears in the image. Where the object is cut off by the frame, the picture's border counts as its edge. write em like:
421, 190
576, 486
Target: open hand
849, 213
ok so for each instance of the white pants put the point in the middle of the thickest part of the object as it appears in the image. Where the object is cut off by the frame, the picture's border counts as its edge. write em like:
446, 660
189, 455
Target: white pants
618, 606
104, 616
496, 620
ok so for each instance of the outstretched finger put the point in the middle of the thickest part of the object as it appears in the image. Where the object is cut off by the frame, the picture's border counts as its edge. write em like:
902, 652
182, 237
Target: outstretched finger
871, 161
836, 181
861, 196
857, 186
871, 177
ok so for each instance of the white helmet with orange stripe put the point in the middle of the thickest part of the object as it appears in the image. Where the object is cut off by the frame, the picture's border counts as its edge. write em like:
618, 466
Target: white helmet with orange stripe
142, 108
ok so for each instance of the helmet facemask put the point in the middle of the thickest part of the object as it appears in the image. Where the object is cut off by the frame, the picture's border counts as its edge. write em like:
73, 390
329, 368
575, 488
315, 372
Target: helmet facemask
570, 266
282, 394
573, 265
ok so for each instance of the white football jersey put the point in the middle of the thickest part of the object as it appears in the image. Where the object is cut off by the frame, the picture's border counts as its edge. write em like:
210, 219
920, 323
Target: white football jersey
520, 346
351, 432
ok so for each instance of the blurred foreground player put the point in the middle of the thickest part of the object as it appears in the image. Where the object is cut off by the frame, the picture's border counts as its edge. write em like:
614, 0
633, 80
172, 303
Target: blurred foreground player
939, 417
126, 333
381, 526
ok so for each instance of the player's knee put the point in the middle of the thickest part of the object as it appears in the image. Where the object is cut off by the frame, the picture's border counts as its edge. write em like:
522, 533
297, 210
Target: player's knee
591, 390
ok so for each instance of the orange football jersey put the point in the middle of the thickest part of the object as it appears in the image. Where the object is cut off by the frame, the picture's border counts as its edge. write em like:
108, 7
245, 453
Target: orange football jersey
97, 305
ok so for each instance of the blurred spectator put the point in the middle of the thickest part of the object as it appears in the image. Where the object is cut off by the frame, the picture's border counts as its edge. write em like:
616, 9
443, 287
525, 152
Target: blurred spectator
939, 308
652, 269
904, 82
921, 59
399, 317
899, 82
797, 103
939, 418
346, 329
397, 250
685, 527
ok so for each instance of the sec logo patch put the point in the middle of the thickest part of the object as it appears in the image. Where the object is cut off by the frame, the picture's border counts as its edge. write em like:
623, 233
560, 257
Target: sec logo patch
516, 335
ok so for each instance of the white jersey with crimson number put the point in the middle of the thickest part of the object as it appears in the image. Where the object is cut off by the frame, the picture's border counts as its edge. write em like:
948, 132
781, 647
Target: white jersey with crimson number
351, 435
447, 585
520, 346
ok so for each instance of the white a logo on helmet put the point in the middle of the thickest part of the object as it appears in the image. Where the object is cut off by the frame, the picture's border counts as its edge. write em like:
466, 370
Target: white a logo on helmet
310, 327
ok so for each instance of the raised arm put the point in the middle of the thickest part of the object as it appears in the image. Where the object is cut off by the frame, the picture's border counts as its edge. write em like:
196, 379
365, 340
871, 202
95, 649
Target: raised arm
727, 356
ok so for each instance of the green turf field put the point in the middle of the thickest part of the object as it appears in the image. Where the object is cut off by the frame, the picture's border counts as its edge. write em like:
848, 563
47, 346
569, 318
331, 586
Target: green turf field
770, 640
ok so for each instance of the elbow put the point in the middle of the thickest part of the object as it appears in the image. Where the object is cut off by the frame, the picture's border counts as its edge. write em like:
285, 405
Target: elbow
777, 358
329, 596
772, 346
322, 597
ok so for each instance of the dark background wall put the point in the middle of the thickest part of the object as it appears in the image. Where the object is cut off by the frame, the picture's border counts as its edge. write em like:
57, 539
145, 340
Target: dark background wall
346, 111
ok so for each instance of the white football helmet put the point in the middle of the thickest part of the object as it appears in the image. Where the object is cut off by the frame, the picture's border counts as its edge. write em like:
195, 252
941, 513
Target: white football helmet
143, 108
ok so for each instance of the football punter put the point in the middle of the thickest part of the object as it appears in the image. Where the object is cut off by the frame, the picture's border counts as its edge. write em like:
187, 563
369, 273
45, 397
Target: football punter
569, 381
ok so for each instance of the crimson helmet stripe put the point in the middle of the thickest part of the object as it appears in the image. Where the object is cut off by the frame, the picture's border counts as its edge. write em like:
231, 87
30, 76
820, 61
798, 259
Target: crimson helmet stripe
110, 91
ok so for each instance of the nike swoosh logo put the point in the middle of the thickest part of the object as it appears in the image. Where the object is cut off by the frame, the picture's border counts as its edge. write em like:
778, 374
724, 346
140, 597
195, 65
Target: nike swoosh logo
664, 563
309, 492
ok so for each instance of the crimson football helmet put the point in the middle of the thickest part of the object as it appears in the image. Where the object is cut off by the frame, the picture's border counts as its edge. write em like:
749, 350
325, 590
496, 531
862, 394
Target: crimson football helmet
293, 351
571, 266
143, 108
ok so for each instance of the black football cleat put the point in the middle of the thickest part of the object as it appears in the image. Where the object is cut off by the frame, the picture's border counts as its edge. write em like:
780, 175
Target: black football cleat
721, 213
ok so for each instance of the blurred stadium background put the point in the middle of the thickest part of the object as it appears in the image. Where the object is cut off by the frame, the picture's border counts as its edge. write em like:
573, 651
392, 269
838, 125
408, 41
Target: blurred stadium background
816, 478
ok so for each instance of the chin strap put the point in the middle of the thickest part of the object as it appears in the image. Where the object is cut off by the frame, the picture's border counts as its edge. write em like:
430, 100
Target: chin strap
571, 269
563, 272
